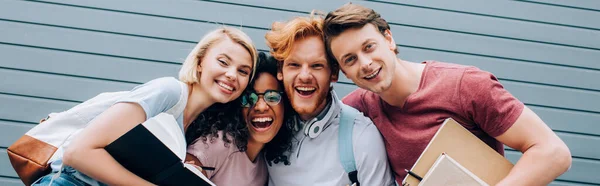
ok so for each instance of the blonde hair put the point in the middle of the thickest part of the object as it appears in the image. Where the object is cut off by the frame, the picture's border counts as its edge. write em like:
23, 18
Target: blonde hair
189, 73
283, 34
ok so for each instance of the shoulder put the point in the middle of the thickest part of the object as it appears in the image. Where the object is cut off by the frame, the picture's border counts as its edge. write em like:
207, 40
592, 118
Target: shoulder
361, 99
164, 85
364, 129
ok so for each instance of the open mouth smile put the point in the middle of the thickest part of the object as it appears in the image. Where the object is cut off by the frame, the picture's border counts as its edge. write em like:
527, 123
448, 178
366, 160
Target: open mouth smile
373, 74
305, 91
262, 123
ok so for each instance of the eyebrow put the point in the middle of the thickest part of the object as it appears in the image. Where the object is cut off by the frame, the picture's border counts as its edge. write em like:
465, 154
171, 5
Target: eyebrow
363, 44
229, 58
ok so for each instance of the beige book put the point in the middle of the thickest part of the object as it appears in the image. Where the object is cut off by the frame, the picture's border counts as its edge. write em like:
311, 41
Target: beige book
464, 147
446, 171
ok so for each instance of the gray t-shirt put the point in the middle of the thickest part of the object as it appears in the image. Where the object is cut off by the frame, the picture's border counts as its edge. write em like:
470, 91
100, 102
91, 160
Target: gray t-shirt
155, 97
232, 167
315, 161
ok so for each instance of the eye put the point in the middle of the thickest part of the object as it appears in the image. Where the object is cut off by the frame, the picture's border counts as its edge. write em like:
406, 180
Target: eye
244, 72
292, 64
317, 66
222, 62
349, 60
272, 97
369, 47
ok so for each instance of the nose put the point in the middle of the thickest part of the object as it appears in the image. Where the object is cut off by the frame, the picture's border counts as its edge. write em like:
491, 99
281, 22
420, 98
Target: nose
261, 105
305, 75
365, 63
231, 74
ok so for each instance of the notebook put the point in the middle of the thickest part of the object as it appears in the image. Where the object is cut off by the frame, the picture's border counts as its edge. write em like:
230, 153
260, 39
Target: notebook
446, 171
464, 147
155, 151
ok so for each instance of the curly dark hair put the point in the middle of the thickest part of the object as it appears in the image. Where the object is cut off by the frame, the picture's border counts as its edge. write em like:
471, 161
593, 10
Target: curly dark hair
229, 119
220, 117
275, 150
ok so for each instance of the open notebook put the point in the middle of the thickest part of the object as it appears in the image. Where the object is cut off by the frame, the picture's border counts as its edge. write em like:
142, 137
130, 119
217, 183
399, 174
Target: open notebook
446, 171
155, 151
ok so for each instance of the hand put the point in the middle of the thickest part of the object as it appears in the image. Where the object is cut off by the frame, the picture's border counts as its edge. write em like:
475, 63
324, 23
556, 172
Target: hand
193, 163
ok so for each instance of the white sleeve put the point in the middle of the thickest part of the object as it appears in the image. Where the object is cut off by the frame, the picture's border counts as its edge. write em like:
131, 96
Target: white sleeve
369, 151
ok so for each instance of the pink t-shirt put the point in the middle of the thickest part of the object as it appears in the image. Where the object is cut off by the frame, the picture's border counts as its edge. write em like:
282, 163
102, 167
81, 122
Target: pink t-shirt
467, 94
232, 167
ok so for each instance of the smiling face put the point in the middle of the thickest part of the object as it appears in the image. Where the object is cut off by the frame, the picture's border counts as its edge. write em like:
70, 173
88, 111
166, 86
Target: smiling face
225, 70
306, 76
262, 119
366, 56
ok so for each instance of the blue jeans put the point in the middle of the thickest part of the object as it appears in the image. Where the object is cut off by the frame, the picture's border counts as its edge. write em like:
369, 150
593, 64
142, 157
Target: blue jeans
66, 178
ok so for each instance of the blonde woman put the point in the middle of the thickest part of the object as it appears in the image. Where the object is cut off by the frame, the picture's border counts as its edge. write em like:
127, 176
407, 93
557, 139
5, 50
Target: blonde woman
217, 70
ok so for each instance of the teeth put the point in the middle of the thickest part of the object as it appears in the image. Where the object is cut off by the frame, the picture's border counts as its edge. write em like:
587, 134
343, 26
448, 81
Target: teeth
225, 86
264, 119
306, 88
372, 75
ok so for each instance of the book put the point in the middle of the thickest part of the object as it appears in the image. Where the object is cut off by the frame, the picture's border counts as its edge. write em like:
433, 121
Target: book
464, 147
446, 171
155, 151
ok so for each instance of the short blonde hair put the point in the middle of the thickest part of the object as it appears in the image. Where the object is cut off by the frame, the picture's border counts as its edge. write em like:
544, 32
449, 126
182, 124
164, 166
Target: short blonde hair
284, 34
189, 73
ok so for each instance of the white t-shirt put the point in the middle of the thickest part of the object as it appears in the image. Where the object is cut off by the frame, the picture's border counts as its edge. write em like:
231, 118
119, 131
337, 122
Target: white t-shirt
155, 97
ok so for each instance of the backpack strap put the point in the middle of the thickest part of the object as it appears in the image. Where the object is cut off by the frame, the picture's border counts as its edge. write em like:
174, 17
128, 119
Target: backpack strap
345, 147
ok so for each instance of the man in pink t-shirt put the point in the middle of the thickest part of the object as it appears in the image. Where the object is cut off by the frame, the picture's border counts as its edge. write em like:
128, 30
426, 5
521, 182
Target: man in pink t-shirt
409, 101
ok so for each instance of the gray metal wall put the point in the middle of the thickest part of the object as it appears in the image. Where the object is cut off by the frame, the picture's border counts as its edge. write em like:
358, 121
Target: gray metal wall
55, 54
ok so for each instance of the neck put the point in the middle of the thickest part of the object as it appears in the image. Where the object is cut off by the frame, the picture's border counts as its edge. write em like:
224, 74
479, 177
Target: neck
406, 80
321, 108
253, 149
198, 101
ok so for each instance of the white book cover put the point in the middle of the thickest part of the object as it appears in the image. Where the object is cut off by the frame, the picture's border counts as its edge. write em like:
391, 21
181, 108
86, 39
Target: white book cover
446, 171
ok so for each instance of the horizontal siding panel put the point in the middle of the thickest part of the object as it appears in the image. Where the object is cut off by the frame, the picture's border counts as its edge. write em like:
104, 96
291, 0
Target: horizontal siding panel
497, 47
586, 4
554, 96
569, 183
5, 166
568, 120
12, 131
406, 35
493, 26
28, 109
56, 86
93, 42
582, 170
49, 36
10, 182
514, 10
187, 13
579, 145
187, 26
85, 65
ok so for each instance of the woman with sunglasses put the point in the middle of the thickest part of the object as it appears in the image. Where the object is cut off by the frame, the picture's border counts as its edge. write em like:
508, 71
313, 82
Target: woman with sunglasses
263, 136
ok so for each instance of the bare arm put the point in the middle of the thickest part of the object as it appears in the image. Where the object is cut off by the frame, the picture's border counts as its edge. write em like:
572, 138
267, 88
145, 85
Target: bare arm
87, 154
545, 156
